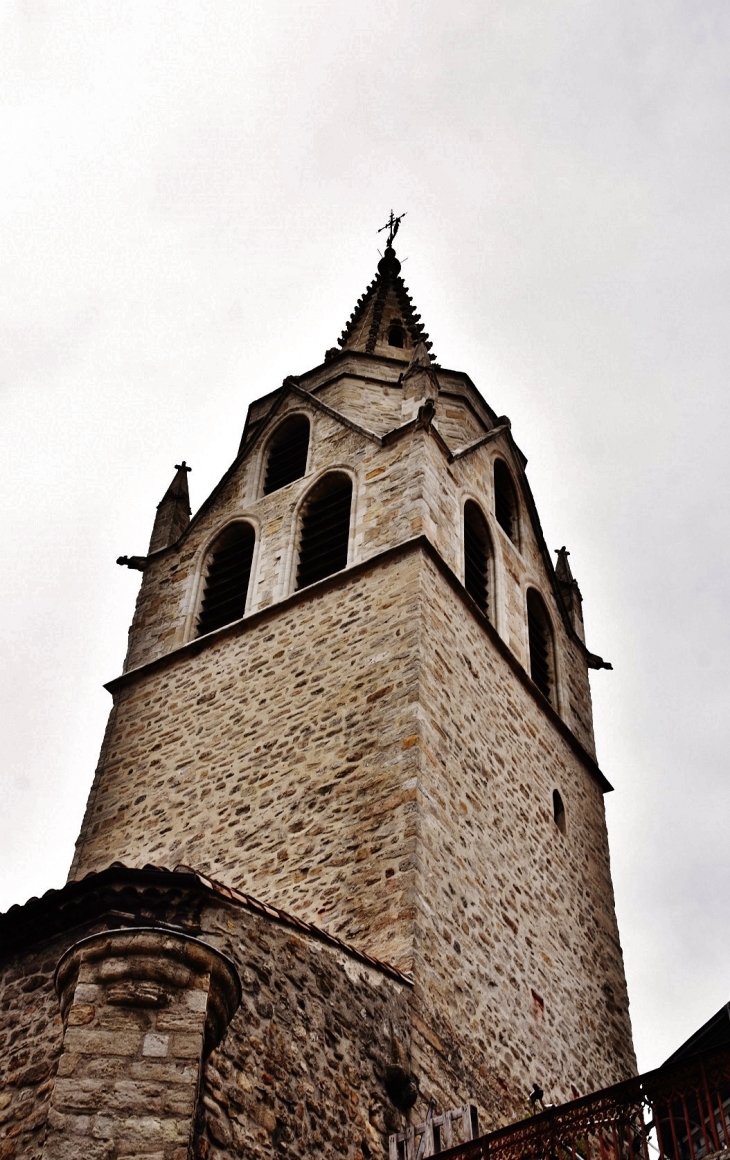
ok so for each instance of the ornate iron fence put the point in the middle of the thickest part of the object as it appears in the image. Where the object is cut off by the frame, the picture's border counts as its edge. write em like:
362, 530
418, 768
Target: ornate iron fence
681, 1112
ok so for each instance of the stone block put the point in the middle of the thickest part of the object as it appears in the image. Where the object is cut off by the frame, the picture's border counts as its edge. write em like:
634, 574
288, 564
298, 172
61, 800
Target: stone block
186, 1046
88, 1041
172, 1072
82, 1014
155, 1046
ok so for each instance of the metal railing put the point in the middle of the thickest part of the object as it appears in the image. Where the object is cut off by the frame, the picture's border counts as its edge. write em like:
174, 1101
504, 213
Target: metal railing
680, 1112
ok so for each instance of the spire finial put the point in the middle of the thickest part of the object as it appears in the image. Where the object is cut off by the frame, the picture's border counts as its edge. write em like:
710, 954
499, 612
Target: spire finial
173, 511
392, 226
562, 567
385, 320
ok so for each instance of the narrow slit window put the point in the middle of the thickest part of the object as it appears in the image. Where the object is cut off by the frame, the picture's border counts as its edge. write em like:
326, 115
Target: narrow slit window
287, 456
505, 501
476, 556
558, 811
227, 579
542, 669
325, 530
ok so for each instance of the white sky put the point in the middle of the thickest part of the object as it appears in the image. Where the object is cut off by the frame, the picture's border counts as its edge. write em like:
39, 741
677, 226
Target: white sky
188, 205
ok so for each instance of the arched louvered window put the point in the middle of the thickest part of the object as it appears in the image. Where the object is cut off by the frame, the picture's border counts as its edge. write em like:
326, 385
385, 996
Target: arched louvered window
286, 459
227, 578
540, 636
505, 501
558, 811
477, 555
325, 529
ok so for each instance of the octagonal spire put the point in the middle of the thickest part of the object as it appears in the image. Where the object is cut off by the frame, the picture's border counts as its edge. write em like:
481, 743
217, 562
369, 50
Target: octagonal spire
384, 320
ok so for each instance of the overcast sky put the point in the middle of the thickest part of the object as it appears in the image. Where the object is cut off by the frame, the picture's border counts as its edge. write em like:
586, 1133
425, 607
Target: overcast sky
189, 202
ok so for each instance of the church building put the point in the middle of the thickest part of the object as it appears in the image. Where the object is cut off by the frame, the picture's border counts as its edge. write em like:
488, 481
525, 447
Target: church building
344, 864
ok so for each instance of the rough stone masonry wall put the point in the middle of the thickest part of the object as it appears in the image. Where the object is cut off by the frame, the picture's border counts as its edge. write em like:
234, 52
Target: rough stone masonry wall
388, 510
281, 760
304, 1065
445, 487
31, 1035
368, 386
517, 948
456, 422
375, 405
518, 568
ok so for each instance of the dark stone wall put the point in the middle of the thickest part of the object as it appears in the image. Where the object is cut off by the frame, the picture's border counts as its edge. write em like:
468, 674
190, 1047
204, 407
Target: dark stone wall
31, 1035
305, 1062
316, 1058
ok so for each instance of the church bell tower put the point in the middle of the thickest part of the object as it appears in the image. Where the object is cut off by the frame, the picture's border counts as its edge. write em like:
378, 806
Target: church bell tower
356, 697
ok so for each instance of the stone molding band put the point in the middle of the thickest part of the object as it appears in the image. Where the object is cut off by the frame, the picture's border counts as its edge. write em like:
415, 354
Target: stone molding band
339, 579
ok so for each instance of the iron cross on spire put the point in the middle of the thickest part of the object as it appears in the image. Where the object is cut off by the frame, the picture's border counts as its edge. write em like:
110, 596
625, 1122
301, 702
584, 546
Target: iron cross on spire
392, 226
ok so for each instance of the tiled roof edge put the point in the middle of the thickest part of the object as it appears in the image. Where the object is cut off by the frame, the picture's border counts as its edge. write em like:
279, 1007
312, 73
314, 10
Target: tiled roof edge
25, 915
283, 916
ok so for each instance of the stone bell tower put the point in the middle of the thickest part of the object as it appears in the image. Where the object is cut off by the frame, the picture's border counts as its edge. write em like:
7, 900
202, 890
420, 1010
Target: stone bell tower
356, 697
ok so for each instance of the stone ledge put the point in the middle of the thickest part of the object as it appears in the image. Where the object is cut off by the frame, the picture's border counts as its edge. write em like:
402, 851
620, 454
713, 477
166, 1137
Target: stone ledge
338, 580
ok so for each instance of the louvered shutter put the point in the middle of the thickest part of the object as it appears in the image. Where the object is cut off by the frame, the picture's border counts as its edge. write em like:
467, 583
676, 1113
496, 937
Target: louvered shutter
476, 556
226, 584
541, 645
505, 503
287, 455
325, 530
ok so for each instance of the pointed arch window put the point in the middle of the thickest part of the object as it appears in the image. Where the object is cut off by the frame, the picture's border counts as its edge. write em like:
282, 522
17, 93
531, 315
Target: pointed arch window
477, 556
325, 529
505, 501
286, 458
227, 578
540, 637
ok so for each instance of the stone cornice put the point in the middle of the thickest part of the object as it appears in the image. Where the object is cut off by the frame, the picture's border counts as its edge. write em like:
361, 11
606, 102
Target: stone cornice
490, 435
141, 967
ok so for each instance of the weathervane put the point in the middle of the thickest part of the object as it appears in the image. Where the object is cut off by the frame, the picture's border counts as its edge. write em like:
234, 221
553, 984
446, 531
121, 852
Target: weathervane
392, 226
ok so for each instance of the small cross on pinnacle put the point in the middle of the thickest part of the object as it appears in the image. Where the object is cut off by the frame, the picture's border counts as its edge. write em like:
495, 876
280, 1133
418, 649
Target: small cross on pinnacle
392, 226
182, 466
